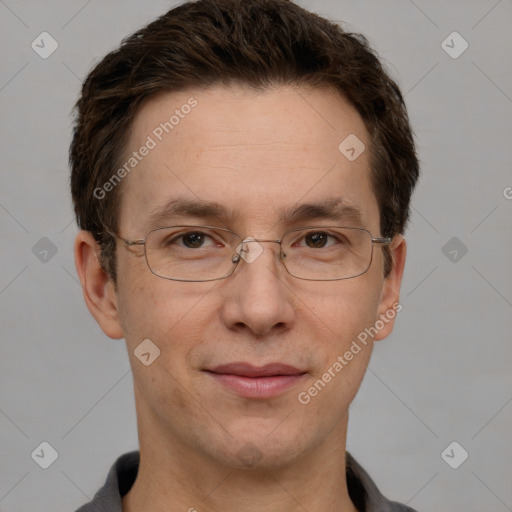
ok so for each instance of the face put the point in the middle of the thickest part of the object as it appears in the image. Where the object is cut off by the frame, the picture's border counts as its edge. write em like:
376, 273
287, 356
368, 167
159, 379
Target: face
257, 155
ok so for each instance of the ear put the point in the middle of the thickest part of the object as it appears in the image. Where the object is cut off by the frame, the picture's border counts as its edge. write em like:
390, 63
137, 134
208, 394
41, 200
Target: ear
97, 286
389, 303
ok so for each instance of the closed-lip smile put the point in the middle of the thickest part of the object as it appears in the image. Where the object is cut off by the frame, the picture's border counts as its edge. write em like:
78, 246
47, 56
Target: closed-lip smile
261, 382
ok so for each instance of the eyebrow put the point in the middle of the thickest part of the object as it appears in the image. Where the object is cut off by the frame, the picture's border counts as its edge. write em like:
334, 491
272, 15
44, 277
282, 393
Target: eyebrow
186, 208
335, 209
332, 209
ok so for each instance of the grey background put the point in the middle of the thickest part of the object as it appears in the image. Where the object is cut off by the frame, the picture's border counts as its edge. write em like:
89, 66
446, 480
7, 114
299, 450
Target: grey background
444, 375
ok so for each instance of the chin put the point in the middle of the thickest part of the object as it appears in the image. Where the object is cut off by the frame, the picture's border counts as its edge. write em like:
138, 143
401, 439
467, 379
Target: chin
261, 446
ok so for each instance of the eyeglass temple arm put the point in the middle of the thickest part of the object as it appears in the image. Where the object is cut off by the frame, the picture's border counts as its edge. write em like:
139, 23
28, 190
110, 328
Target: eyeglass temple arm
380, 240
128, 243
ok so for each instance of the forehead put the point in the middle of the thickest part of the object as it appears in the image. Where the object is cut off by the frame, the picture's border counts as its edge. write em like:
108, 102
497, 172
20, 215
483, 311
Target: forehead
256, 153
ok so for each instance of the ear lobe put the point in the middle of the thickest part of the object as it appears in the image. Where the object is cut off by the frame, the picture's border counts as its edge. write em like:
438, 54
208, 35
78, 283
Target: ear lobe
98, 289
389, 304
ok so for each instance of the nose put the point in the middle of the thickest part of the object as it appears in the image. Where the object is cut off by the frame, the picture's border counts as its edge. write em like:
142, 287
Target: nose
257, 297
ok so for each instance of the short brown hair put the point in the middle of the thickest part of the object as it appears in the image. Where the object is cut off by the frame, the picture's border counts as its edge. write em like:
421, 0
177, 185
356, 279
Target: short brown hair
259, 43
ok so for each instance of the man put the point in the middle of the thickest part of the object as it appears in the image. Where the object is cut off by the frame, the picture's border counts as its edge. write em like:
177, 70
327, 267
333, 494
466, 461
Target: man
241, 172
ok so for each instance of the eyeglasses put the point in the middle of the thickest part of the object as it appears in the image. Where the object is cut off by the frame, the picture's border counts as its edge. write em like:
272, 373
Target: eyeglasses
208, 253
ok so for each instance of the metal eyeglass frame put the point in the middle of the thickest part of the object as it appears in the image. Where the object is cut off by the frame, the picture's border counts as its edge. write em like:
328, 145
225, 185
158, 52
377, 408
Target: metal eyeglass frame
237, 257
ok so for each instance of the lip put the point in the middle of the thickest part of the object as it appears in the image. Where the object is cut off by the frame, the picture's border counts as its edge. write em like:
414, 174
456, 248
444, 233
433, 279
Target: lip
261, 382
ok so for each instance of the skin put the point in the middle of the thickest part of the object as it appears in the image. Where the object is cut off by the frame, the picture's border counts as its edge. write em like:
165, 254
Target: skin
254, 152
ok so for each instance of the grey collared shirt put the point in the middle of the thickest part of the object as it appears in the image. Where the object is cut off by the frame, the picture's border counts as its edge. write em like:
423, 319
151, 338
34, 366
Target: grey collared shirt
362, 490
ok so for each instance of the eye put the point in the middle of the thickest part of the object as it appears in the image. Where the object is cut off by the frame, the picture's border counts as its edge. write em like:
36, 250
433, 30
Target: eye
318, 239
196, 239
190, 240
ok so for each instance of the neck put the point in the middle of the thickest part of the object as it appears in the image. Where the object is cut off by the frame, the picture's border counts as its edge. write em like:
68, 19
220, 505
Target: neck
175, 477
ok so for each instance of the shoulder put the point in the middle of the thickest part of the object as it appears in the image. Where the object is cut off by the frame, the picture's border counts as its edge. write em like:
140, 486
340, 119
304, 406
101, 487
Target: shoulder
119, 480
365, 494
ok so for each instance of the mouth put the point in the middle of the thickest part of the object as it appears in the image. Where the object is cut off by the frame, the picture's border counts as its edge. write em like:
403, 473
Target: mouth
261, 382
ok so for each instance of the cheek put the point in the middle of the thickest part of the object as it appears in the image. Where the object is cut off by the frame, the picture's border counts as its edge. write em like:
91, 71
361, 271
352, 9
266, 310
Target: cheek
342, 308
339, 320
174, 316
159, 309
342, 360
